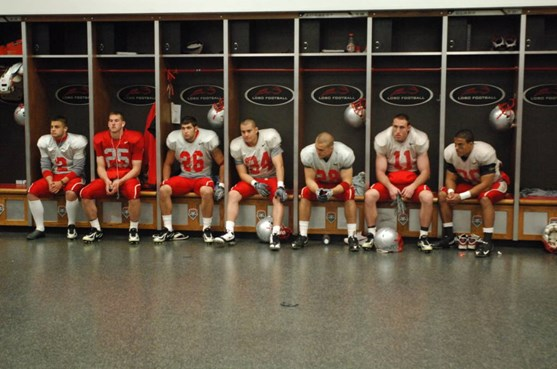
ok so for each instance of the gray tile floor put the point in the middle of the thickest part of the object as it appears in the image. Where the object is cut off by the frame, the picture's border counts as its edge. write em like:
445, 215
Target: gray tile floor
186, 305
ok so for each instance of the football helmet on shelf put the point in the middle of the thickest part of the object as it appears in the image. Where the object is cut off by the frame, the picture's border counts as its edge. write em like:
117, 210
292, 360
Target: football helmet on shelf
19, 115
502, 116
355, 113
215, 116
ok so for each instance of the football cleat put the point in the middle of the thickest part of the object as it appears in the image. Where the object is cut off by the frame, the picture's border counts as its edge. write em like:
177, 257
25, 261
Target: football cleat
274, 243
472, 241
93, 235
483, 248
444, 243
72, 233
353, 244
226, 239
369, 243
463, 241
300, 242
425, 245
208, 236
35, 234
133, 237
166, 235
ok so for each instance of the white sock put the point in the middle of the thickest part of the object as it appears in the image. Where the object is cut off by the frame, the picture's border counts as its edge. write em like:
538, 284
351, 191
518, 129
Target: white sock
351, 228
71, 210
229, 226
371, 230
134, 225
37, 210
207, 222
423, 233
276, 230
167, 222
304, 226
95, 224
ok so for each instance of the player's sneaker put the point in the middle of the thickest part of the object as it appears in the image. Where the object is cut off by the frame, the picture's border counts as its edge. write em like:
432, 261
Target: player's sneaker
369, 243
274, 243
444, 243
133, 236
166, 235
483, 248
226, 239
93, 235
72, 232
463, 241
472, 241
300, 242
353, 244
424, 244
35, 234
208, 236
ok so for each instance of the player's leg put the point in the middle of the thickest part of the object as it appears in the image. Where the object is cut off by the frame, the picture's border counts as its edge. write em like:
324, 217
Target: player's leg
72, 188
425, 197
278, 213
206, 193
446, 212
37, 189
172, 186
371, 197
88, 194
235, 195
304, 214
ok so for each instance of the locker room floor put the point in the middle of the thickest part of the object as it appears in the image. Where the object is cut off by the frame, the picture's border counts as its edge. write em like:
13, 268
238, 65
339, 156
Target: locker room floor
187, 305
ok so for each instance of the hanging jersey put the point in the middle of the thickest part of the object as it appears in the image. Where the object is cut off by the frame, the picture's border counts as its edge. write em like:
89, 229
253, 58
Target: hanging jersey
482, 160
328, 171
195, 157
401, 155
65, 157
258, 158
119, 153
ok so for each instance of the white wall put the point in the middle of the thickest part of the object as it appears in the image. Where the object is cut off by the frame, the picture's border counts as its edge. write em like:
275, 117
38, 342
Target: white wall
58, 7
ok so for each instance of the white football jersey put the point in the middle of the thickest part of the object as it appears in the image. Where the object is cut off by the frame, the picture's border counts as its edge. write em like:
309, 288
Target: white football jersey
401, 155
63, 157
328, 171
195, 157
469, 170
258, 158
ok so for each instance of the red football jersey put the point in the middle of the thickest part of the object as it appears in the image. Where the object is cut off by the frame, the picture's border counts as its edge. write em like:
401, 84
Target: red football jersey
119, 153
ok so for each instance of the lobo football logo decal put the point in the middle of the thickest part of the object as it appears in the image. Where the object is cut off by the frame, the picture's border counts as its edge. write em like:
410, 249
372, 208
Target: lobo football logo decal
477, 220
125, 212
406, 95
331, 217
62, 211
542, 95
260, 214
336, 95
73, 95
269, 95
477, 95
203, 95
403, 219
193, 213
137, 95
1, 209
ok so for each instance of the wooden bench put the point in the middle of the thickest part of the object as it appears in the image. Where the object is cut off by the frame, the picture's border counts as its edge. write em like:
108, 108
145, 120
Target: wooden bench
327, 218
